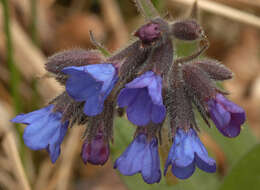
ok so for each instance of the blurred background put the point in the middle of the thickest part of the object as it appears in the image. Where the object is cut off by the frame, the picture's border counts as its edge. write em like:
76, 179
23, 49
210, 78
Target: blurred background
32, 30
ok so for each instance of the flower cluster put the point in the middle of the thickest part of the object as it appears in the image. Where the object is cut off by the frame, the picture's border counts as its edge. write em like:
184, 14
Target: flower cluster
145, 80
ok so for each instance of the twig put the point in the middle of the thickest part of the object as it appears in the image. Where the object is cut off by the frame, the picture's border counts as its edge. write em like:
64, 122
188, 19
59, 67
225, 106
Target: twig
224, 11
114, 19
11, 148
14, 75
146, 8
33, 22
31, 62
99, 46
68, 158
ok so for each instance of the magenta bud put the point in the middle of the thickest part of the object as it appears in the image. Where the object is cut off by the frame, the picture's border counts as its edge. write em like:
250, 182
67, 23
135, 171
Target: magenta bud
95, 151
187, 30
148, 33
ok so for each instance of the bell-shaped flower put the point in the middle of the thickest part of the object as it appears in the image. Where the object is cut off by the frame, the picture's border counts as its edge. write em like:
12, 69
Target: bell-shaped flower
186, 153
91, 84
141, 156
44, 131
227, 116
143, 99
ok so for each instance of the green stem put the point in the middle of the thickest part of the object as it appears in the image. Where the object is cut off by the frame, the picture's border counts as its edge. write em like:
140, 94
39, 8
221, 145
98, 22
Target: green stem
146, 8
33, 24
14, 75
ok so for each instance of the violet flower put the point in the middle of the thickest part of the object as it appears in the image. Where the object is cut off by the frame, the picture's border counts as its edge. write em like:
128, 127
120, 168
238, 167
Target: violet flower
227, 116
143, 99
44, 131
141, 156
186, 153
91, 84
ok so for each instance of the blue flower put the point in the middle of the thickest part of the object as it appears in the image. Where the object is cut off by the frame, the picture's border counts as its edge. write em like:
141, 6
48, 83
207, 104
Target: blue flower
141, 156
227, 116
187, 152
143, 99
92, 84
44, 130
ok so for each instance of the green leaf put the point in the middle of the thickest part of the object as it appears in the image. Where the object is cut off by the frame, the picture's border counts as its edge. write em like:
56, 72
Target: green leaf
245, 174
146, 8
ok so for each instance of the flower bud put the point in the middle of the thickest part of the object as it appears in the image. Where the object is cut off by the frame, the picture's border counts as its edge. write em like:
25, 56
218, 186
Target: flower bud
198, 82
187, 30
148, 33
96, 150
214, 69
74, 57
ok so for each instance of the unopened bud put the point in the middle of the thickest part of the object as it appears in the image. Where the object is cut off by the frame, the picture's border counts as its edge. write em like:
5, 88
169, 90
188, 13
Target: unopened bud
148, 33
198, 82
187, 30
95, 151
214, 69
74, 57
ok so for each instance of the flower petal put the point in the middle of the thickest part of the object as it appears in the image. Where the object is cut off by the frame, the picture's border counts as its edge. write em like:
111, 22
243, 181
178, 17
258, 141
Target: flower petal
155, 90
32, 116
139, 111
183, 172
80, 84
158, 113
127, 96
151, 172
44, 130
143, 81
129, 162
218, 114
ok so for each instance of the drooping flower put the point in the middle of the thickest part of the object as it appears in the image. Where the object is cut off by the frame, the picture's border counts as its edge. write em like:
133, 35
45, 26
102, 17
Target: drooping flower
95, 151
143, 99
227, 116
141, 156
44, 131
92, 84
186, 153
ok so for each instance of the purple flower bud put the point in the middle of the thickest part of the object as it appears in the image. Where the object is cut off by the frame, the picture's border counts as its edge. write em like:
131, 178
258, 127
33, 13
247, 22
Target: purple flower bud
227, 116
141, 156
143, 99
44, 131
187, 152
148, 33
187, 30
95, 151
